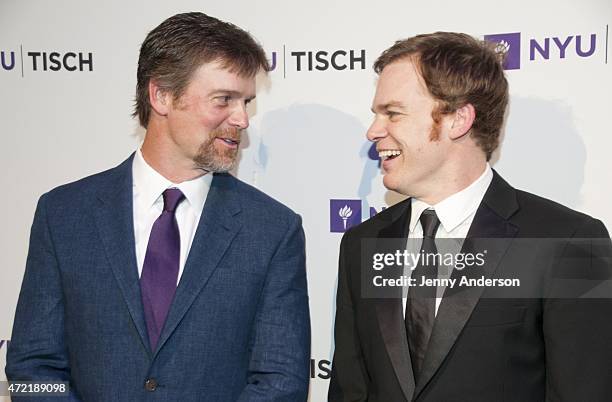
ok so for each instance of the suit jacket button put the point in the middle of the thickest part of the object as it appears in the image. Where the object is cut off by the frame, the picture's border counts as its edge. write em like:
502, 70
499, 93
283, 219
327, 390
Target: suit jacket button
150, 384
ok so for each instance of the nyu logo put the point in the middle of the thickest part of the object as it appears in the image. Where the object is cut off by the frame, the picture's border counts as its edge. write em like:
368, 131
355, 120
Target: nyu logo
542, 49
273, 62
7, 59
562, 44
344, 214
510, 45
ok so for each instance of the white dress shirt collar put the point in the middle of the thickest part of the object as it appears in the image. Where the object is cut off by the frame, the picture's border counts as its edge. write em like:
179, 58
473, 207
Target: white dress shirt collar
150, 185
455, 209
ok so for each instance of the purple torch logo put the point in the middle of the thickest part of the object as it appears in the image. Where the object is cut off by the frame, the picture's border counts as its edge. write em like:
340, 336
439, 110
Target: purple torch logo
508, 44
343, 214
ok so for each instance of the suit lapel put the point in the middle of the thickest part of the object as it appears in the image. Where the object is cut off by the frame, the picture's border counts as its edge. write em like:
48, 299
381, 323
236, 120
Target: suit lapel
491, 231
390, 311
115, 223
216, 230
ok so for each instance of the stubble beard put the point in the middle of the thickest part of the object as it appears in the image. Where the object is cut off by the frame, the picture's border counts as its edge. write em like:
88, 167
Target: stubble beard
212, 158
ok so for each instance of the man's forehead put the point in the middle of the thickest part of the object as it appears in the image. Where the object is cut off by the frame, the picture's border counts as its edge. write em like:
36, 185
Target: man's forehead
220, 68
217, 78
400, 73
398, 82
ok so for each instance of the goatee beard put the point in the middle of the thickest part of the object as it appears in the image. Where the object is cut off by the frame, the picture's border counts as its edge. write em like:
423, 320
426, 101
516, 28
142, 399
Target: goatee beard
213, 159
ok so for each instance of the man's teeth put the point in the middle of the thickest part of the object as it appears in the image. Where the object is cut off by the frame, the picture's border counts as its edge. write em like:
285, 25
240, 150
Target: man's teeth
389, 153
231, 142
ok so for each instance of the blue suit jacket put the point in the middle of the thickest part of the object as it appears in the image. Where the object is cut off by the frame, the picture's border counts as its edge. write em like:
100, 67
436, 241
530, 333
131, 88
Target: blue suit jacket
238, 328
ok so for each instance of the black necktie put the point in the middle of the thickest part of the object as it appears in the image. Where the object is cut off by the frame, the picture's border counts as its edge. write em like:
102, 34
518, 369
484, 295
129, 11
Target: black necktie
421, 302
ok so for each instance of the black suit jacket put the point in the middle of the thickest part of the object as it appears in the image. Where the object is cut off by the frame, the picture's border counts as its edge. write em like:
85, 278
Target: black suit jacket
483, 347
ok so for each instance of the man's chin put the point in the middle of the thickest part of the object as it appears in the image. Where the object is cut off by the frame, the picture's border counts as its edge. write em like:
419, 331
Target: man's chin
392, 183
216, 165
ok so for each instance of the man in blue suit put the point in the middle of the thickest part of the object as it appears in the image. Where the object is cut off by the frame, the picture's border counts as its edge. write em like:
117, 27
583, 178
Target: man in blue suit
165, 278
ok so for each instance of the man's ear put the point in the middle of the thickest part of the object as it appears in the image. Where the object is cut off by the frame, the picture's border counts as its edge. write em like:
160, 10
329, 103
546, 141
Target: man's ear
463, 119
160, 99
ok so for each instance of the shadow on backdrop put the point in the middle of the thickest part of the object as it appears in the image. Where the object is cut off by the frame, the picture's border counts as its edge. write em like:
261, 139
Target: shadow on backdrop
542, 151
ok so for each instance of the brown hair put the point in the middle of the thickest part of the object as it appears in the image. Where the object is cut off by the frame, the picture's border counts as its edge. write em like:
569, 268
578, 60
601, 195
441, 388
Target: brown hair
178, 46
457, 70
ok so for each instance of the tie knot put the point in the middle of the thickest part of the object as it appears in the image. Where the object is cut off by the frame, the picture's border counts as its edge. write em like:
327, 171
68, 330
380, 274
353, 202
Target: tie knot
172, 197
429, 223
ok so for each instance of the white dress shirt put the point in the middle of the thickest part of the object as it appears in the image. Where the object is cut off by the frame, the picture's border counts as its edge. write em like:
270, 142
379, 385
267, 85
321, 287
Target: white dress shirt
148, 186
456, 214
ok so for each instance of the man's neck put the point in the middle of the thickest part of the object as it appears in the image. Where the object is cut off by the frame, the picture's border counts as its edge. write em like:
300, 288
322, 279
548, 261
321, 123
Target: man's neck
159, 153
445, 186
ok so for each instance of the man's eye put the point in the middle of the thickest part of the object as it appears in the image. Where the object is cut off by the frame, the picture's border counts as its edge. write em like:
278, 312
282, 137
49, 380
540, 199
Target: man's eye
392, 114
224, 100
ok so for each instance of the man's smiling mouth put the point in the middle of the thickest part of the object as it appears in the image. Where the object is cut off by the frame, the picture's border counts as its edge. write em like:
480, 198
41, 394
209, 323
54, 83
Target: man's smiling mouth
387, 154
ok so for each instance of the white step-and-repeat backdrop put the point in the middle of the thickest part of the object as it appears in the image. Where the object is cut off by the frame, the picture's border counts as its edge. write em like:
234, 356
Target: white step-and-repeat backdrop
67, 79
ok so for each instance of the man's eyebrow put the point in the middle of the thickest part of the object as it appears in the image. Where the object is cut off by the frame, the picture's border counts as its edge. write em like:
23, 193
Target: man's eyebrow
387, 105
233, 93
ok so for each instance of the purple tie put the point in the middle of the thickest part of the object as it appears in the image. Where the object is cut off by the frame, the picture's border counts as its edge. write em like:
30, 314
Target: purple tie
161, 266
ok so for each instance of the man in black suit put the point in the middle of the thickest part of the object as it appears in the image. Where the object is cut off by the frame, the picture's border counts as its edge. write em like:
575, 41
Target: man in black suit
439, 107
